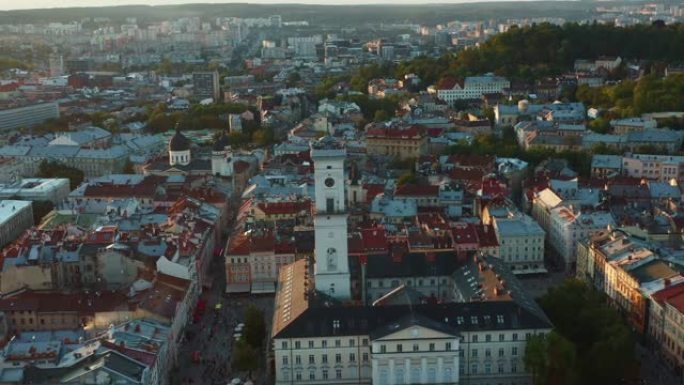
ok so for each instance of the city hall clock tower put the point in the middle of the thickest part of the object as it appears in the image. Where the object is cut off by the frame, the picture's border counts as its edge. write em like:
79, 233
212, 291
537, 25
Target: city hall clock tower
331, 269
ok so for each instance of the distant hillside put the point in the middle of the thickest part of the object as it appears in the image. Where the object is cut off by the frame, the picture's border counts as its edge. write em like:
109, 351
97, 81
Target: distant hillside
334, 15
544, 49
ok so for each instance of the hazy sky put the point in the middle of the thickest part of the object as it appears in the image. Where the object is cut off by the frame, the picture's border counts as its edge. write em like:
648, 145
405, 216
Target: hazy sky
26, 4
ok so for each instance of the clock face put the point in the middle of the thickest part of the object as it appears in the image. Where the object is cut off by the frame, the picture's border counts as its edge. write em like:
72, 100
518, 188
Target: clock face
329, 182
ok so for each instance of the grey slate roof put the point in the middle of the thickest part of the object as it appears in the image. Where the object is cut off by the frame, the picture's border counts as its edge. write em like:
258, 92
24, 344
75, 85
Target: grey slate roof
410, 320
317, 321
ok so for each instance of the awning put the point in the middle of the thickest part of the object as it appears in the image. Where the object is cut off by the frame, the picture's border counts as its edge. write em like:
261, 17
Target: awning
237, 288
263, 287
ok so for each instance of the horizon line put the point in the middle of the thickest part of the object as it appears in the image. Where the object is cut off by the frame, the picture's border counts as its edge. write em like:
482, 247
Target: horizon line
86, 4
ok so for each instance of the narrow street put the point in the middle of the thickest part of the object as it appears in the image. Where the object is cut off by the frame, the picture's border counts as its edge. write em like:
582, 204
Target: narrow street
653, 369
212, 336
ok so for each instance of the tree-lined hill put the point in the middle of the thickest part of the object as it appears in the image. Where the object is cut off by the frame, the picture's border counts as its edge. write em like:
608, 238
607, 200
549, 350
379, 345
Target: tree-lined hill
320, 15
540, 50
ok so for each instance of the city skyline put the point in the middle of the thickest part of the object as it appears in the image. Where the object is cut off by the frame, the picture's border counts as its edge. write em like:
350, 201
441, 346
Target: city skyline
7, 5
371, 192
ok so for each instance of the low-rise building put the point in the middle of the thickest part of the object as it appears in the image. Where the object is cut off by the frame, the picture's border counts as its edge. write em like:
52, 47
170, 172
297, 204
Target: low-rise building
627, 125
400, 142
27, 116
623, 268
605, 166
472, 87
15, 217
568, 226
253, 261
54, 190
665, 322
521, 243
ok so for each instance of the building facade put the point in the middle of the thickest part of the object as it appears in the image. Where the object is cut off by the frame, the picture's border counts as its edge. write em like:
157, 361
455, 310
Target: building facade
521, 243
403, 143
55, 190
27, 116
568, 226
397, 344
206, 85
473, 87
15, 217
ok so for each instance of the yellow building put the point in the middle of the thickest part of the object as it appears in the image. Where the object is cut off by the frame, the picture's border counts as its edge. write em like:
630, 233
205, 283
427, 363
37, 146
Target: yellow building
623, 269
399, 142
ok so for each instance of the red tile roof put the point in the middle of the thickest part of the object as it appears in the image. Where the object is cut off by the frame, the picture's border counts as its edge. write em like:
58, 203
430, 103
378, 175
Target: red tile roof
493, 187
412, 132
673, 290
372, 190
263, 242
239, 245
486, 236
412, 190
432, 220
374, 239
9, 87
435, 132
284, 208
55, 302
677, 301
673, 295
147, 358
466, 175
102, 236
285, 247
145, 189
355, 244
448, 83
428, 158
170, 280
240, 166
464, 233
485, 162
678, 221
535, 188
161, 299
208, 195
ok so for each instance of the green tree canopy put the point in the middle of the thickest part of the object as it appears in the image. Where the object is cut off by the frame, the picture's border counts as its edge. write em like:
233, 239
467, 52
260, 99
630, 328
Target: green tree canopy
629, 98
381, 116
245, 357
551, 359
407, 178
542, 50
53, 169
255, 327
604, 345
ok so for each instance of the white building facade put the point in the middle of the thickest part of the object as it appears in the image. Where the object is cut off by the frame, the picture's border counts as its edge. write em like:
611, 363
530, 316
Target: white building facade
480, 348
473, 88
521, 243
567, 227
15, 217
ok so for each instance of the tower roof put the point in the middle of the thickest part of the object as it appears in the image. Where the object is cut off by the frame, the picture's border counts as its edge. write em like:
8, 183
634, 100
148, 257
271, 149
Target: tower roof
179, 142
327, 146
221, 142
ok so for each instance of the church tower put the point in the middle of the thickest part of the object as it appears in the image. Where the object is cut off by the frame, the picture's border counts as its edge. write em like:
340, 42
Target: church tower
179, 149
222, 157
331, 269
